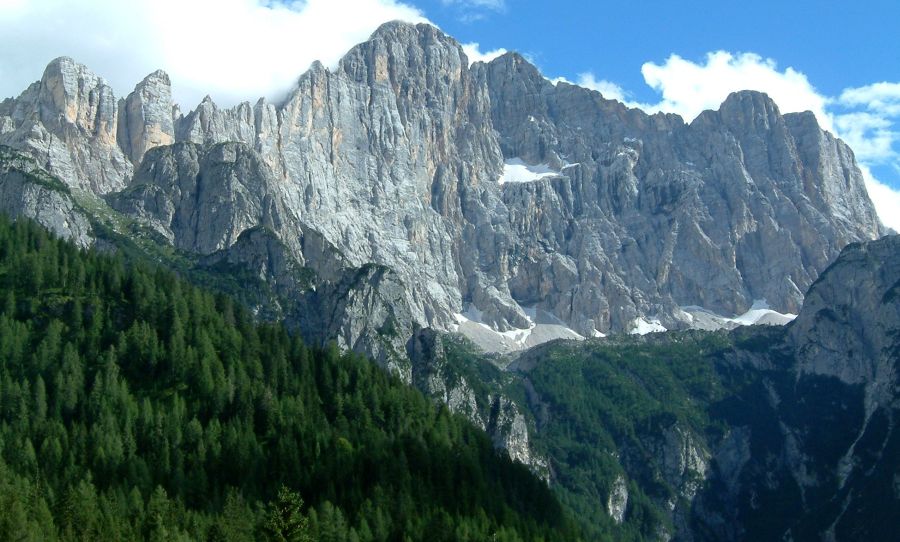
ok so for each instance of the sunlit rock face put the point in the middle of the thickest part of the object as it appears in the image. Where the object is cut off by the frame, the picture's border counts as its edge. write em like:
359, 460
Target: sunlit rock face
484, 189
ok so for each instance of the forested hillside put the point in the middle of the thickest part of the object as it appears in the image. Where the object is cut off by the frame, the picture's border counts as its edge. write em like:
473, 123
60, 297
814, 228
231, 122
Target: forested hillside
135, 406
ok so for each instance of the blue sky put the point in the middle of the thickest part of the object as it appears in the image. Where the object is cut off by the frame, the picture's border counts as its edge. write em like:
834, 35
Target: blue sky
836, 44
838, 59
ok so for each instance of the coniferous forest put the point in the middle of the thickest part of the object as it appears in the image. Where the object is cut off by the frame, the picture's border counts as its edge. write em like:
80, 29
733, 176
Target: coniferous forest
136, 406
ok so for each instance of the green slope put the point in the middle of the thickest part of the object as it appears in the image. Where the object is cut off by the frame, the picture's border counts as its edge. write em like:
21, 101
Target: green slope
136, 406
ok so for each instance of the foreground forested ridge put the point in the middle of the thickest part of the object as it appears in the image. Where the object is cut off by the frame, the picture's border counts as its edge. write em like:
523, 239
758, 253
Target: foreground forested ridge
135, 406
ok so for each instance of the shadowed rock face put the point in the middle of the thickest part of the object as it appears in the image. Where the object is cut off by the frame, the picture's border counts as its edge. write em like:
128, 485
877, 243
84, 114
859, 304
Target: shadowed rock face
201, 198
813, 452
791, 433
395, 158
848, 327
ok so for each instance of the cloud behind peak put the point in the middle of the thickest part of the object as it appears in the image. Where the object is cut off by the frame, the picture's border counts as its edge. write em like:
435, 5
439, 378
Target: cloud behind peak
234, 50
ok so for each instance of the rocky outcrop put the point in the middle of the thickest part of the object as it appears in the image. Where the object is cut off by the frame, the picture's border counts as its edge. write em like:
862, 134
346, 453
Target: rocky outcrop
364, 311
683, 460
444, 369
617, 502
509, 430
202, 198
433, 377
253, 125
146, 117
67, 121
28, 191
849, 323
816, 437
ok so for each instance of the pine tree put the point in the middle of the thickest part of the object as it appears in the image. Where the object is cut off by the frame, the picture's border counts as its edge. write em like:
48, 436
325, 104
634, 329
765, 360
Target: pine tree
285, 521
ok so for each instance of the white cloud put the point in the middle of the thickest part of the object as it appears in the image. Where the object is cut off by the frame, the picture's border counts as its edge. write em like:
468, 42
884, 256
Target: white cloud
495, 5
869, 135
473, 51
688, 88
882, 97
608, 89
885, 199
234, 50
869, 120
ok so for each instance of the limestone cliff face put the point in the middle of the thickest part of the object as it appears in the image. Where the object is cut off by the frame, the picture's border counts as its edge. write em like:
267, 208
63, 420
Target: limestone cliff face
743, 203
395, 159
28, 191
390, 157
146, 117
201, 198
67, 121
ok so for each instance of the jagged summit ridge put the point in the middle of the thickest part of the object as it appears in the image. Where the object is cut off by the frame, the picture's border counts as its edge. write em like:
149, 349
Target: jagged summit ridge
395, 156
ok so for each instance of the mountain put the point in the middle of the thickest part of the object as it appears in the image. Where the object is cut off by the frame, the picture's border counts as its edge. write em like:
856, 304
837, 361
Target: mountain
499, 201
451, 220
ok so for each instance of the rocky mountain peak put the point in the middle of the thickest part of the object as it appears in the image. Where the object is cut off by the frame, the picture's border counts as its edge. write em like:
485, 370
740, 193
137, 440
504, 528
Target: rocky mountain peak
749, 108
405, 34
146, 116
514, 62
67, 122
400, 53
72, 94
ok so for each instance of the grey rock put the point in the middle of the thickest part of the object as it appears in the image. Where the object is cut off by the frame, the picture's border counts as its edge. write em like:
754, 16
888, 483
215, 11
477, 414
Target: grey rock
823, 420
684, 460
145, 117
256, 126
849, 322
201, 198
430, 375
27, 190
365, 311
68, 121
509, 430
617, 503
742, 204
394, 157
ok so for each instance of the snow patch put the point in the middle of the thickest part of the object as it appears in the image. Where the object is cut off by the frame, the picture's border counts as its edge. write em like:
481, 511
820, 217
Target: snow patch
515, 170
543, 327
759, 314
643, 327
